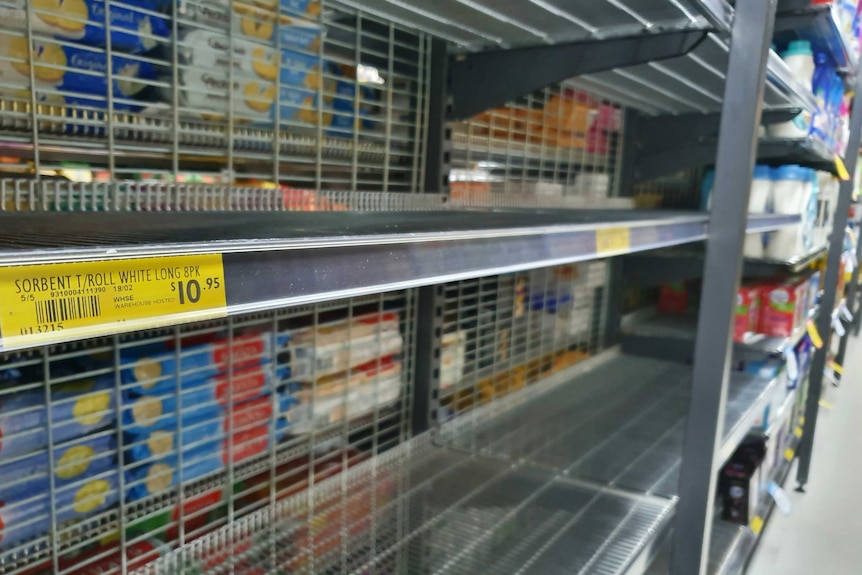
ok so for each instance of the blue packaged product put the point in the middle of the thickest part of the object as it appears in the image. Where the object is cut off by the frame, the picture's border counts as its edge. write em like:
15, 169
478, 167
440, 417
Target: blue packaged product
306, 8
76, 409
203, 409
70, 69
154, 477
706, 189
149, 372
32, 517
136, 26
821, 86
72, 464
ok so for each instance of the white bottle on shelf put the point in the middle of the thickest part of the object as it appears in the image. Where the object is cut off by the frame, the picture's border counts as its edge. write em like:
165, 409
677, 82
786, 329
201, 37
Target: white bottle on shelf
800, 59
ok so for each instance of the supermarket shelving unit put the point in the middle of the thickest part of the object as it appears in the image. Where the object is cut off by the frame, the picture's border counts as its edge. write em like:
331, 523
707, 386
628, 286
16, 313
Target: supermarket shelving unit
537, 459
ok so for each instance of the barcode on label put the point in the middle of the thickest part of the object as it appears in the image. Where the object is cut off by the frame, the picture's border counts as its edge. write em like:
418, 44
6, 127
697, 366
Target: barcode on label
67, 308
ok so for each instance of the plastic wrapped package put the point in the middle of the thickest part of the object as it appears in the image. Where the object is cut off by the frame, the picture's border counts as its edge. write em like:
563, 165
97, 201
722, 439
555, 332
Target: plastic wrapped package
153, 370
77, 409
198, 426
31, 517
64, 68
155, 476
295, 27
337, 346
348, 395
72, 463
136, 25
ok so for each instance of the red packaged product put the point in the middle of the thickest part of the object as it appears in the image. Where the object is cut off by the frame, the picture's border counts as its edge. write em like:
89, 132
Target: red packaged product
782, 307
673, 299
747, 315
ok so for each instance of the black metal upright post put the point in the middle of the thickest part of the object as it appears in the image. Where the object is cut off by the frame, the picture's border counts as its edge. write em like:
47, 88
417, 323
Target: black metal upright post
437, 144
830, 296
740, 118
852, 293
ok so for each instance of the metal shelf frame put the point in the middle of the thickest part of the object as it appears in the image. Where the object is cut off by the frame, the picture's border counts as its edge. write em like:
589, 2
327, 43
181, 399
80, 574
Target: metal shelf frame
702, 67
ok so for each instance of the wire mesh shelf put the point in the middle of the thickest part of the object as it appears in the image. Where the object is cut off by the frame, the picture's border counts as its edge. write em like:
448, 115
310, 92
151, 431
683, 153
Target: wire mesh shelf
438, 511
165, 436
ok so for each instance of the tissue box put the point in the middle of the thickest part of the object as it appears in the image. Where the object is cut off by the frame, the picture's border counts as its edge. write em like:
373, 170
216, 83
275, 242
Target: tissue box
153, 370
71, 69
134, 28
77, 409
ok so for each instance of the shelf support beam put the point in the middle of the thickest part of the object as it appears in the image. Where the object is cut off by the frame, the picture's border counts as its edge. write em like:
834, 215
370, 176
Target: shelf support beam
484, 80
830, 287
740, 118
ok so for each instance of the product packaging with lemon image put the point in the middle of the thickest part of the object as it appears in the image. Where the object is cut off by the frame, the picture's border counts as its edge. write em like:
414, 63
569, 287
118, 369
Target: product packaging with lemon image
31, 517
151, 422
253, 435
136, 25
154, 369
77, 71
257, 20
76, 409
73, 462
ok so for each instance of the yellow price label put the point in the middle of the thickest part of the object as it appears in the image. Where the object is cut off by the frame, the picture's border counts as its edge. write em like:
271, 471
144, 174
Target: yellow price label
756, 524
811, 327
797, 432
612, 240
57, 302
836, 367
789, 454
841, 169
802, 420
825, 404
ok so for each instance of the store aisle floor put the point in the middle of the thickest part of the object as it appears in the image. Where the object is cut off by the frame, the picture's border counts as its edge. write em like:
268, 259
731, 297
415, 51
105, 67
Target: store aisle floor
822, 533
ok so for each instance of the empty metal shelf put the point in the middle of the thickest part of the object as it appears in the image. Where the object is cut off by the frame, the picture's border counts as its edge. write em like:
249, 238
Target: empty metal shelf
620, 423
479, 23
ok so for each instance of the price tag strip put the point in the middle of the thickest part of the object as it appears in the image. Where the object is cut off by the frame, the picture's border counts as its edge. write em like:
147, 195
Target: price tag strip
814, 334
48, 303
613, 240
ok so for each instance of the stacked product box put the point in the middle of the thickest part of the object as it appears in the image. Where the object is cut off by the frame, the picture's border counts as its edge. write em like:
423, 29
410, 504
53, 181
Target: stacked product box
262, 63
344, 369
68, 54
191, 412
747, 313
59, 456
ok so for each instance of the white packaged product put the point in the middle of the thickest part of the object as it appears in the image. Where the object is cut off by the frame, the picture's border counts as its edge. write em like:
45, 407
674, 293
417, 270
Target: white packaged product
761, 190
786, 243
753, 246
348, 395
790, 189
800, 59
798, 127
452, 358
337, 346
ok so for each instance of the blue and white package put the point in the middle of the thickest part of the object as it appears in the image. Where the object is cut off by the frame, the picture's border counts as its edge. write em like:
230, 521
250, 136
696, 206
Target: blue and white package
79, 72
76, 409
152, 372
154, 477
32, 517
253, 22
72, 464
136, 26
